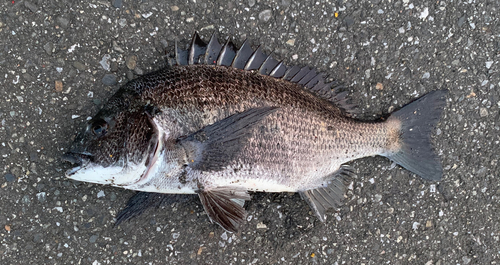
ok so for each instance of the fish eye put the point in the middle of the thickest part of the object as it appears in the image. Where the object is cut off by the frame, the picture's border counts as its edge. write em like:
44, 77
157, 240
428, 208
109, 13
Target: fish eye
99, 128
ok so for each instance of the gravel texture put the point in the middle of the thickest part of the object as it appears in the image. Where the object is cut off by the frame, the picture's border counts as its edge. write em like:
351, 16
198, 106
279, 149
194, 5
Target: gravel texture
61, 60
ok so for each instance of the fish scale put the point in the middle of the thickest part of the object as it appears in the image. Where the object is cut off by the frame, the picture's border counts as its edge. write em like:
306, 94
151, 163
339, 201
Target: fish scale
225, 121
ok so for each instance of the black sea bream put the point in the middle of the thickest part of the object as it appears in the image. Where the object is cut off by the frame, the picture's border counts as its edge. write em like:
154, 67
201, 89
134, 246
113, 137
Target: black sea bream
222, 121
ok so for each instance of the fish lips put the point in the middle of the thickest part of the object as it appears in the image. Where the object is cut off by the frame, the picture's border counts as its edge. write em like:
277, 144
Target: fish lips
78, 159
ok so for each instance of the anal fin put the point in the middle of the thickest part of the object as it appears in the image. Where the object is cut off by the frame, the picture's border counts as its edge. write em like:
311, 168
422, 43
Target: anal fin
224, 206
330, 196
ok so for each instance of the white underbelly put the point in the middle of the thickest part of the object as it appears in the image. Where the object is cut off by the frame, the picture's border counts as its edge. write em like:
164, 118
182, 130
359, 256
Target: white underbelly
261, 185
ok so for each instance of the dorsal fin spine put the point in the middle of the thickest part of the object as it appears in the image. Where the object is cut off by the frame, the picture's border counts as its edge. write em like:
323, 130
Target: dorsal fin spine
279, 70
227, 54
311, 83
197, 48
181, 56
177, 53
268, 65
308, 77
255, 60
291, 72
297, 77
213, 50
242, 56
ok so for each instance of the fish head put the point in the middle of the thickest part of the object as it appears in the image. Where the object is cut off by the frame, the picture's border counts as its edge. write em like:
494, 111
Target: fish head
116, 147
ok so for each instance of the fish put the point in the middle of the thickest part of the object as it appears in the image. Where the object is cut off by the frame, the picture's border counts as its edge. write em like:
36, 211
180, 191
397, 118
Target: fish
221, 122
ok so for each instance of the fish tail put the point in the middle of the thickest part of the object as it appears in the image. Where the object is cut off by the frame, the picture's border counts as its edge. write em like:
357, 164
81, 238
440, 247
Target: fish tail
417, 121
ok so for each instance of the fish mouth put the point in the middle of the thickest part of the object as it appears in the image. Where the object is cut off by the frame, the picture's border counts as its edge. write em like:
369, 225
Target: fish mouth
77, 159
86, 169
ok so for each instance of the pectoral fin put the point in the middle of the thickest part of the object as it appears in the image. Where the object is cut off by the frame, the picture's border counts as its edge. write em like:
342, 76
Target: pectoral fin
213, 147
323, 198
224, 205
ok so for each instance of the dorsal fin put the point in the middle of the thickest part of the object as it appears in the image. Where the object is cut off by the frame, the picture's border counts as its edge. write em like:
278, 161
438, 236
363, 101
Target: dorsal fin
303, 72
279, 70
268, 65
308, 77
313, 81
197, 48
242, 55
181, 56
227, 54
213, 50
291, 72
246, 58
256, 60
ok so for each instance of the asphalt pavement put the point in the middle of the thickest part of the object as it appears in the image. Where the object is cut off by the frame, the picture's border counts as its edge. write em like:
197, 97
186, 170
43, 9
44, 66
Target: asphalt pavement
61, 60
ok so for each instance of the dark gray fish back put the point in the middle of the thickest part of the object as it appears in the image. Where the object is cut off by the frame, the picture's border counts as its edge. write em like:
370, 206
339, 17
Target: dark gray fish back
245, 58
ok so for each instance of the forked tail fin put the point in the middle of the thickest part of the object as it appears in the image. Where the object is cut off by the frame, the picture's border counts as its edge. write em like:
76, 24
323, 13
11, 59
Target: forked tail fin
417, 122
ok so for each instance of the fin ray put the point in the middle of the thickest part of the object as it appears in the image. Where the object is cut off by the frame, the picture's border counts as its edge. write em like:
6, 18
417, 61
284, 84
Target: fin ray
227, 54
242, 55
256, 60
303, 72
313, 81
213, 50
308, 77
197, 48
279, 71
224, 206
291, 72
330, 196
181, 56
268, 65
